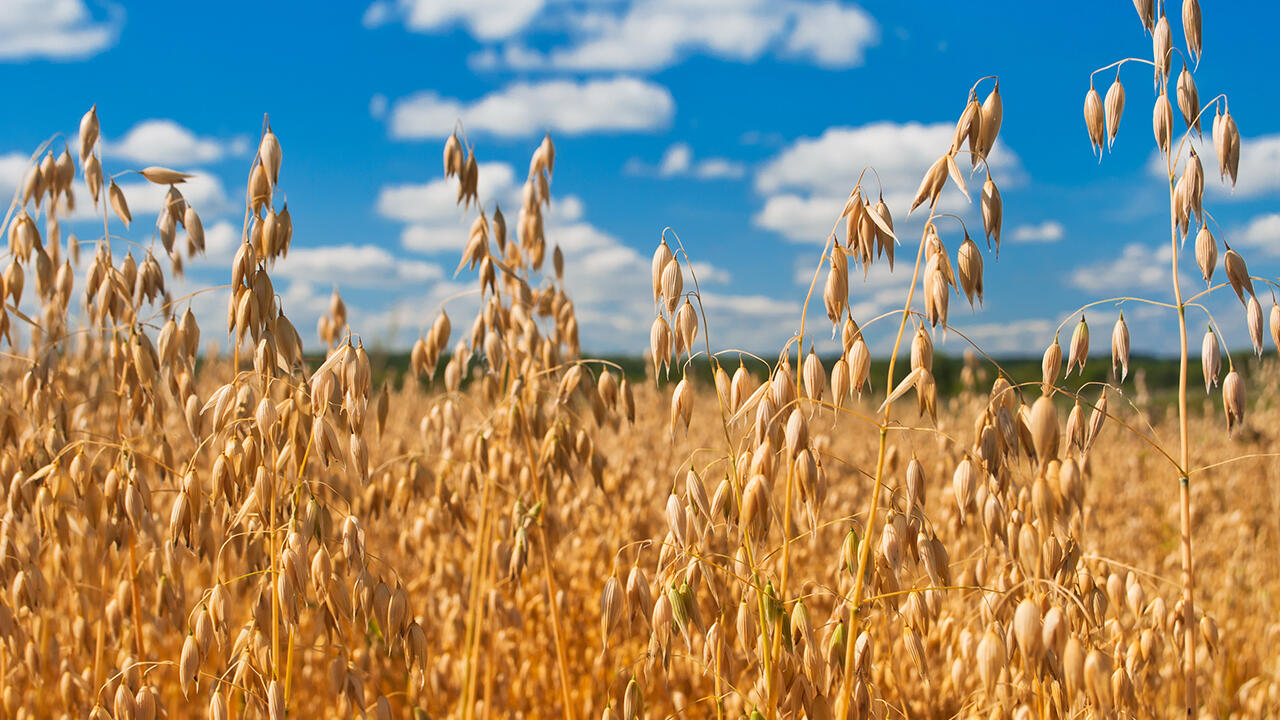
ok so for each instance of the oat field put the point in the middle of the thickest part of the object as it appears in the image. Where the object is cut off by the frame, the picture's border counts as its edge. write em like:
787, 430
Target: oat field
211, 522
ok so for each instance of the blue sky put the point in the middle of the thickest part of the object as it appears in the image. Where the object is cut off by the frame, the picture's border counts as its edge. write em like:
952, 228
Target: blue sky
742, 125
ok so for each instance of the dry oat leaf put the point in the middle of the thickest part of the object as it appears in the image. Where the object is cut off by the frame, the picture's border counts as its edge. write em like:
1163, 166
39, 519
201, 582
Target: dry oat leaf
905, 385
164, 176
953, 169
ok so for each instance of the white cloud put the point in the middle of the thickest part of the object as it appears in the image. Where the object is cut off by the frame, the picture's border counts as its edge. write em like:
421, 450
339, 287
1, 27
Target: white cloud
56, 29
483, 19
436, 202
165, 142
1046, 232
1023, 337
350, 265
203, 192
620, 104
1138, 267
1259, 172
678, 161
800, 218
807, 183
607, 278
648, 35
13, 170
833, 35
1262, 233
378, 106
899, 152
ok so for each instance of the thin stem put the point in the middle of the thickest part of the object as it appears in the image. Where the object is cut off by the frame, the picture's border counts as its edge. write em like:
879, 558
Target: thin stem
846, 690
1184, 482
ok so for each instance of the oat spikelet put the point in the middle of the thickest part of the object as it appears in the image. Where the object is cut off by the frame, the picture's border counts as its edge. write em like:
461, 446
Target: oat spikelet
1253, 318
1237, 274
931, 184
992, 211
1120, 348
1043, 424
969, 267
119, 204
1093, 118
661, 257
1274, 323
1162, 47
1051, 365
992, 116
1114, 108
1188, 99
1210, 359
1233, 400
1146, 13
1162, 121
1079, 346
163, 176
1191, 26
1206, 254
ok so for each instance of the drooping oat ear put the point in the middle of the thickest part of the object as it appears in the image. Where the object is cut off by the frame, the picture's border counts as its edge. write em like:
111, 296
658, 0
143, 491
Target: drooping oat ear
969, 266
992, 116
452, 156
1146, 13
1094, 122
119, 204
1274, 323
1120, 347
931, 184
1079, 346
1233, 399
1191, 26
1237, 273
1050, 366
672, 284
1206, 253
269, 154
661, 257
1210, 359
1226, 144
88, 133
1162, 121
835, 294
660, 343
1162, 47
992, 212
1043, 424
1253, 318
1114, 108
1188, 99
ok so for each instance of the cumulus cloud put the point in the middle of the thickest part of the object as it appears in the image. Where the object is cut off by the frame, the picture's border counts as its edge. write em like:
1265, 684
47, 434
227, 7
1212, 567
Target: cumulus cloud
483, 19
1259, 172
1262, 233
607, 278
678, 161
1139, 267
56, 29
165, 142
806, 185
649, 35
611, 105
1045, 232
